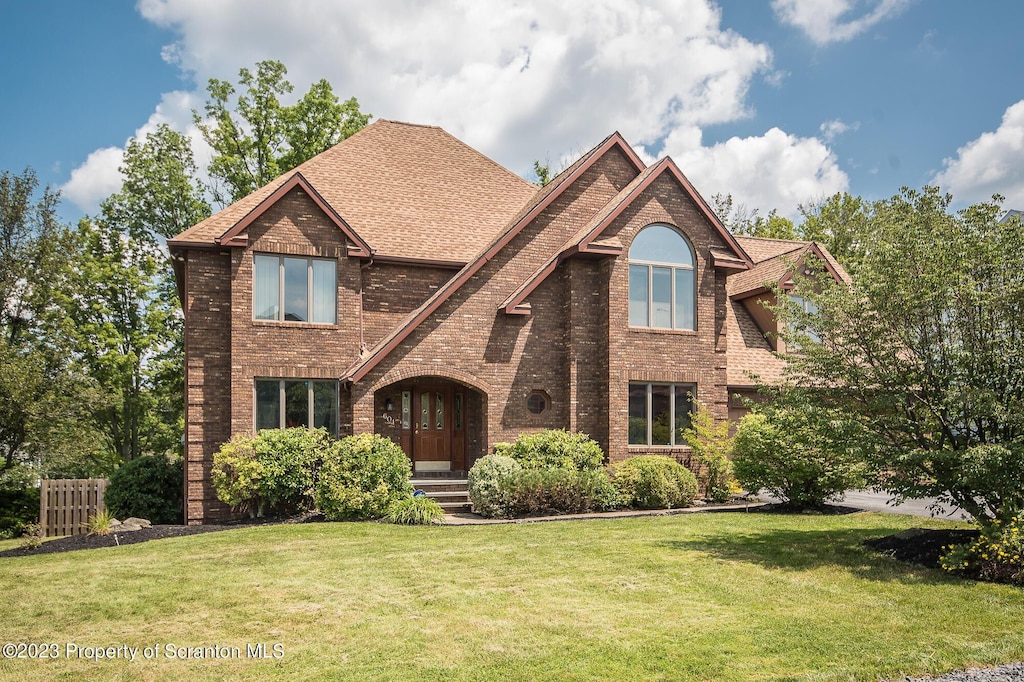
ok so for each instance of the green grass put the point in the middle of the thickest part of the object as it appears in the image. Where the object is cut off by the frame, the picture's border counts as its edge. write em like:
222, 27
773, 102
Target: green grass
692, 597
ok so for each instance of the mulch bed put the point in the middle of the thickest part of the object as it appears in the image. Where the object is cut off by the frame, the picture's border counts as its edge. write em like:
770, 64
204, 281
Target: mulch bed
920, 545
71, 543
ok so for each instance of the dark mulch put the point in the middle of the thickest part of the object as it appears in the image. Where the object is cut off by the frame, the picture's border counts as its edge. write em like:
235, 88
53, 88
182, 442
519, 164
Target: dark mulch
72, 543
920, 545
827, 510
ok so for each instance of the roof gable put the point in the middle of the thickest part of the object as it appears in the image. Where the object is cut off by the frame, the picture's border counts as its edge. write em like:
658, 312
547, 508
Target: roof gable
410, 192
527, 214
586, 240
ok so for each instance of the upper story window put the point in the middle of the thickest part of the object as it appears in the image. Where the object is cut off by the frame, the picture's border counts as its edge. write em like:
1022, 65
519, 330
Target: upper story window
662, 291
290, 289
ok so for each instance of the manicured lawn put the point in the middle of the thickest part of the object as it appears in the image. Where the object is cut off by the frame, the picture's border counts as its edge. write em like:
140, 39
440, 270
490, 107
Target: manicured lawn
695, 597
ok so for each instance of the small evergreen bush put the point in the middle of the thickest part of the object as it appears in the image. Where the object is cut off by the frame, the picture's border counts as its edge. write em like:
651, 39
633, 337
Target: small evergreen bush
149, 487
654, 482
414, 511
360, 477
556, 449
19, 505
486, 484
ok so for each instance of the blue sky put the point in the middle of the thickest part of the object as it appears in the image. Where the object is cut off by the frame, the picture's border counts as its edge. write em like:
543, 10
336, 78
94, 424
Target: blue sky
779, 102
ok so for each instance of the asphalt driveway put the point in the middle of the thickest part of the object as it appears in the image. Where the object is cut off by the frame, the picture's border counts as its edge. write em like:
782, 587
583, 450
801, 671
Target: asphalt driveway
880, 502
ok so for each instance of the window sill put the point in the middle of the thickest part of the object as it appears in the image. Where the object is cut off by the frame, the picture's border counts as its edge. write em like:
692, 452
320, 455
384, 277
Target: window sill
293, 325
658, 330
660, 449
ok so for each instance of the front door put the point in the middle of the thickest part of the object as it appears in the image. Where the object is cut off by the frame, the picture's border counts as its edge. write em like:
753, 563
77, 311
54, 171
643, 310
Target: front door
432, 428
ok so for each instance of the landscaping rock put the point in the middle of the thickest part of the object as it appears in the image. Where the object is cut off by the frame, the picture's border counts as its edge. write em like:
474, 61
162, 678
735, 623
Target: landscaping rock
136, 521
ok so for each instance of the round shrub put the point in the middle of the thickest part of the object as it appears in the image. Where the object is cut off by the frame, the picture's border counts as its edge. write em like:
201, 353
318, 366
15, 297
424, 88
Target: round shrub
556, 491
795, 457
485, 484
149, 487
272, 472
557, 449
415, 511
360, 477
654, 482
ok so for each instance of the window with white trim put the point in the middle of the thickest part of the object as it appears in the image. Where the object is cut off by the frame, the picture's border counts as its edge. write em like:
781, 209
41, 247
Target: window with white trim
659, 413
287, 403
293, 289
662, 283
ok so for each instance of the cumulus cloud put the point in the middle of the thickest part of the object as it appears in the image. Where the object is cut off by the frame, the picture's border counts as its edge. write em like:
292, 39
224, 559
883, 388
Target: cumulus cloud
829, 21
775, 170
518, 81
989, 165
98, 176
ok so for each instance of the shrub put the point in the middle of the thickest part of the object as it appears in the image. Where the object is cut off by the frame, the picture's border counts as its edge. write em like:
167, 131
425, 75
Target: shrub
712, 447
485, 483
997, 554
31, 536
654, 482
150, 487
19, 506
556, 491
795, 455
272, 472
414, 511
556, 449
360, 477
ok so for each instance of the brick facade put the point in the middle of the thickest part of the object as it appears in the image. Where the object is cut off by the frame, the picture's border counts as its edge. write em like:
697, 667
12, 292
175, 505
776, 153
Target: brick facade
575, 346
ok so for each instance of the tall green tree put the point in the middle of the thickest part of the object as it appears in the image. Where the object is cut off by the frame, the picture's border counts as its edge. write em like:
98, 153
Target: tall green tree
127, 316
257, 138
841, 223
743, 221
925, 351
43, 395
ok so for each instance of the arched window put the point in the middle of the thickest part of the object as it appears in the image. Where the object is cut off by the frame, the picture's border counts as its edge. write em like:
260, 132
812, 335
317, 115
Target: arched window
662, 284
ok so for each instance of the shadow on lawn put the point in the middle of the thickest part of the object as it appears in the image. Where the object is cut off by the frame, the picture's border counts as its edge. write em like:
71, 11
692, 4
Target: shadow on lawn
800, 550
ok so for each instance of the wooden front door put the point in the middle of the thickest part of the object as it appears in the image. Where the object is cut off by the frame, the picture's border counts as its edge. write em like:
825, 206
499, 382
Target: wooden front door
432, 428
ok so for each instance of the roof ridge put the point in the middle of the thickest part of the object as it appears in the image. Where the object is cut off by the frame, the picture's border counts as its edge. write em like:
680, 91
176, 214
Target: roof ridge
487, 158
407, 123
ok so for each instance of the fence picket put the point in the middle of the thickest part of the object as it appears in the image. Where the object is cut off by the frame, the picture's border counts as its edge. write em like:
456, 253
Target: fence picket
66, 504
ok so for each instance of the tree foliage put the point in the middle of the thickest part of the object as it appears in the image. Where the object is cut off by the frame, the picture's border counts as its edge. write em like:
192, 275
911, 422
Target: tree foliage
743, 221
257, 138
925, 351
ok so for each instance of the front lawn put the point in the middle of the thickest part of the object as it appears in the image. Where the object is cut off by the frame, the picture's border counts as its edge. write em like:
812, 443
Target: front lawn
728, 596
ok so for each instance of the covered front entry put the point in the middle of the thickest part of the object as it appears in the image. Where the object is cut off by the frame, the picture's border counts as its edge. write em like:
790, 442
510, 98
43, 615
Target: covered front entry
436, 421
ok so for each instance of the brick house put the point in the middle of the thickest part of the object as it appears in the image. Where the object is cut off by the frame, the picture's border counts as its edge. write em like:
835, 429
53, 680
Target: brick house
404, 284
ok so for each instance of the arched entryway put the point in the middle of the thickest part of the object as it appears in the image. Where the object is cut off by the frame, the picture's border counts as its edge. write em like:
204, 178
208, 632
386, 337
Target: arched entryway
439, 423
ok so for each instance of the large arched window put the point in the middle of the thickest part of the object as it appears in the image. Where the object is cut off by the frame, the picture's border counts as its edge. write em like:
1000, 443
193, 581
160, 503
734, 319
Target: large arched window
662, 291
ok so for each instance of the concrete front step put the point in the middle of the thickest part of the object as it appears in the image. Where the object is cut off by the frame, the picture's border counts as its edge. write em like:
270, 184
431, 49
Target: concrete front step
452, 494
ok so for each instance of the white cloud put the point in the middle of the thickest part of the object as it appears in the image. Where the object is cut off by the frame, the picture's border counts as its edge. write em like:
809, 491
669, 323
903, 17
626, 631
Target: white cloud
517, 81
989, 165
98, 176
95, 179
830, 130
775, 170
828, 21
523, 81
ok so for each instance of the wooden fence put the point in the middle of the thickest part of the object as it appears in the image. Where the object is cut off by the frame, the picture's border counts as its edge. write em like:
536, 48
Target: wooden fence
67, 504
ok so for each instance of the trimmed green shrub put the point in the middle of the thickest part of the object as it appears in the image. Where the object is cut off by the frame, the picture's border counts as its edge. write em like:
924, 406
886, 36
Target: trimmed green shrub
415, 511
360, 477
556, 449
272, 472
556, 491
654, 482
796, 456
485, 483
148, 487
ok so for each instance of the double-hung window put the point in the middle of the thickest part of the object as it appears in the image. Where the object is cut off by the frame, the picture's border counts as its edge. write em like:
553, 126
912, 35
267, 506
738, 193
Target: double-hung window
659, 413
286, 403
662, 289
291, 289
